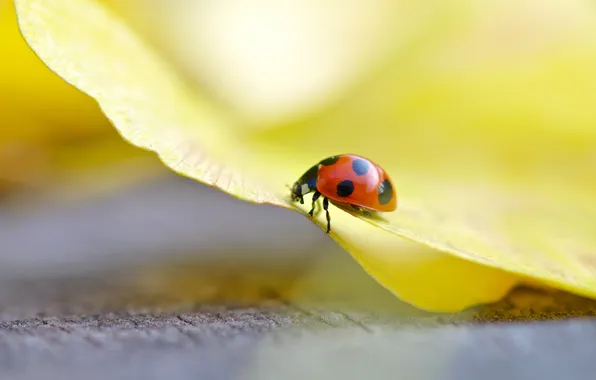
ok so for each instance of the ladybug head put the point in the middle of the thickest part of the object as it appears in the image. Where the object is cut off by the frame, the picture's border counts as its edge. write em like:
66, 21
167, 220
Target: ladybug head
296, 192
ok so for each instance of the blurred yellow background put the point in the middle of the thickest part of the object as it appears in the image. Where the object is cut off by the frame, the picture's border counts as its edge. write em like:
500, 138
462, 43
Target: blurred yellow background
519, 72
51, 133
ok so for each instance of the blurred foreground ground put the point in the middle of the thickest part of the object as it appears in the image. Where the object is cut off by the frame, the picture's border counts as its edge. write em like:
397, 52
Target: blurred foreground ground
136, 283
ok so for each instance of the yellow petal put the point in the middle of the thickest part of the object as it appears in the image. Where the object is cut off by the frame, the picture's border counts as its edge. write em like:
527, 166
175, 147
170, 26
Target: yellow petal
44, 121
484, 171
36, 104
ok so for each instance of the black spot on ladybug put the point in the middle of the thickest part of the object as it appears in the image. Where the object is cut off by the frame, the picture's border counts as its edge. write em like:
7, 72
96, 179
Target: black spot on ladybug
360, 166
329, 160
385, 192
345, 188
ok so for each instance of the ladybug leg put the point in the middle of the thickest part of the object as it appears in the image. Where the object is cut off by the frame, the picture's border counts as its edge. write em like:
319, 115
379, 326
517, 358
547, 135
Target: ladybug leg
326, 208
360, 209
315, 196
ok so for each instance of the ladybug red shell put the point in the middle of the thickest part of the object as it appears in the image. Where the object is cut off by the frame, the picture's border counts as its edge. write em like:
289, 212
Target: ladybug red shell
347, 180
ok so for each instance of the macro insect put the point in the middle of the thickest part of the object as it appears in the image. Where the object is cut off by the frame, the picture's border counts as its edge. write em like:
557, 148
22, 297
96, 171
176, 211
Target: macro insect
347, 181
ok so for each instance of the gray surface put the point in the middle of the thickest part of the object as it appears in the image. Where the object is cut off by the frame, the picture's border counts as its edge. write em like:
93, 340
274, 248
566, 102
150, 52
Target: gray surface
168, 216
258, 347
135, 285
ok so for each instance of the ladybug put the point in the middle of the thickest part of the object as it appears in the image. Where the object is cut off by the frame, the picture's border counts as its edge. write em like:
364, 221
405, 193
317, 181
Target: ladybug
347, 181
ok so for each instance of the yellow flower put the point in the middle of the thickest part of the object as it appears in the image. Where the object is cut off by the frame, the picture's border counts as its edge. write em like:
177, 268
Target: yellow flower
480, 111
44, 121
